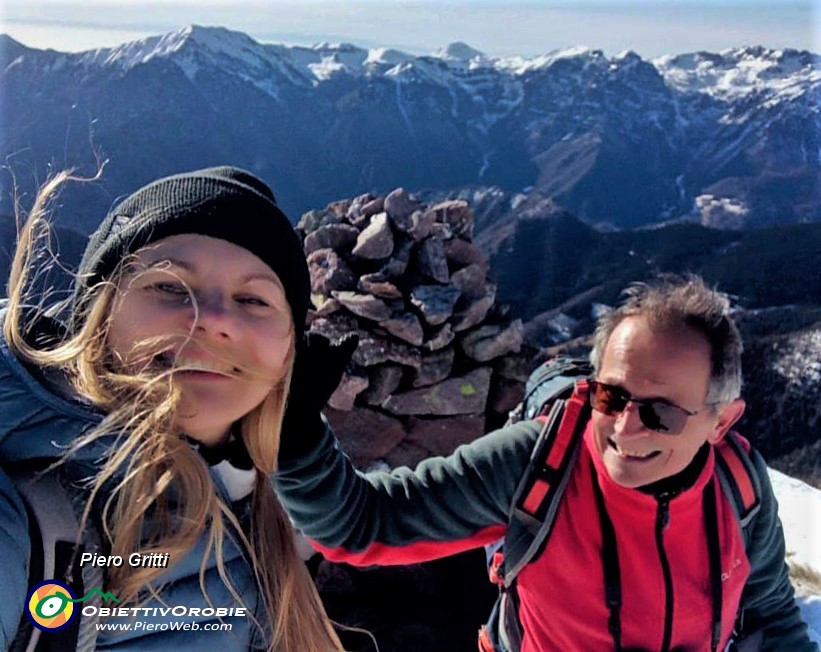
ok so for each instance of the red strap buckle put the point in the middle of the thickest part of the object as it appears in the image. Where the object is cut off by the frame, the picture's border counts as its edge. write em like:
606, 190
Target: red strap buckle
493, 569
484, 641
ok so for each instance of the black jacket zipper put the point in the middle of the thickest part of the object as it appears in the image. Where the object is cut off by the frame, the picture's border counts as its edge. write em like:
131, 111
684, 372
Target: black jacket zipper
662, 520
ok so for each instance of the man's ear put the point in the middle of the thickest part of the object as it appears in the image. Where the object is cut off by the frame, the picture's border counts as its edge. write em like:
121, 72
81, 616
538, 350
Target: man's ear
727, 416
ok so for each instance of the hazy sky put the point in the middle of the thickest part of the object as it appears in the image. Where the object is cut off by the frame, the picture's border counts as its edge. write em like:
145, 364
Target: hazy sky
650, 27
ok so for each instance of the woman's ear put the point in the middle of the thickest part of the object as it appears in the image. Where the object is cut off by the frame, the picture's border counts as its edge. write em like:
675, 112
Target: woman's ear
728, 414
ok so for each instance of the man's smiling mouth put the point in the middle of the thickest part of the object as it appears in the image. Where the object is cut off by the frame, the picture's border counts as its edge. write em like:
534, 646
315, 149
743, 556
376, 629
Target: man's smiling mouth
628, 454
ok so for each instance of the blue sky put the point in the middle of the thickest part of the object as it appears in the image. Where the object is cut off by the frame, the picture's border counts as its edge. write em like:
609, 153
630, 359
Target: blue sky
650, 27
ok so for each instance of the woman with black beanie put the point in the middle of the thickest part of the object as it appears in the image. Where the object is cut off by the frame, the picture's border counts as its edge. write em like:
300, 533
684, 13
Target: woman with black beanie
158, 406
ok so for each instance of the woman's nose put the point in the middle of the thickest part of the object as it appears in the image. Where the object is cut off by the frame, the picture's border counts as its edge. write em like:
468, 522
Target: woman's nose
213, 315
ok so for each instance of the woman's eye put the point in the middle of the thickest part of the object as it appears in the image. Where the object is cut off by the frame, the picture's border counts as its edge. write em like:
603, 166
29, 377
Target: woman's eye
170, 288
253, 301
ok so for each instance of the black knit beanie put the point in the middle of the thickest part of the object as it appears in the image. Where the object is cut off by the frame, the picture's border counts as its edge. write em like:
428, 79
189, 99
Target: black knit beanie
220, 202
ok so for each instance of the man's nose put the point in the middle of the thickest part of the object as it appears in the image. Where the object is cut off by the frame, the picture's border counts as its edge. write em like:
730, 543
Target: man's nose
628, 421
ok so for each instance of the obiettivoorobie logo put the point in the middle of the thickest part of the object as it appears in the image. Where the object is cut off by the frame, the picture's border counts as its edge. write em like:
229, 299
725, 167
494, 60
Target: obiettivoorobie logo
50, 604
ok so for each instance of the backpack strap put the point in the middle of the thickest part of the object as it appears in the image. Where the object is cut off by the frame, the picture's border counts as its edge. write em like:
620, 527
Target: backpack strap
537, 498
55, 554
740, 483
738, 477
534, 509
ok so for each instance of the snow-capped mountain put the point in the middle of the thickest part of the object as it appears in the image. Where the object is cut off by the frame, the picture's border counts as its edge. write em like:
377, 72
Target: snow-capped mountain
729, 138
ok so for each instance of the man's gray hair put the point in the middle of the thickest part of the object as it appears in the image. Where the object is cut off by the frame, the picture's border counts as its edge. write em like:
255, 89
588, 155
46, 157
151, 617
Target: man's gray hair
672, 301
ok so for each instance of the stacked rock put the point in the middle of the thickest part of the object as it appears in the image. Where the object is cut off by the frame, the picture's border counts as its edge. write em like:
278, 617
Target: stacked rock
433, 341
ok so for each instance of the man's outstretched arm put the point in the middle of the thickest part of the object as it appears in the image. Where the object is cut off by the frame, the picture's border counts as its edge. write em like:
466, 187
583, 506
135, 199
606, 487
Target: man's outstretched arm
444, 506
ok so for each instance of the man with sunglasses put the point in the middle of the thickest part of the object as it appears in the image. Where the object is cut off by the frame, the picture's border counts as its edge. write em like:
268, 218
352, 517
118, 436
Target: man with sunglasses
642, 498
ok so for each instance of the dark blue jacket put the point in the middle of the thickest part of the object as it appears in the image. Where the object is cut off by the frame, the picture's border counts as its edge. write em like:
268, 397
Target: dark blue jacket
36, 422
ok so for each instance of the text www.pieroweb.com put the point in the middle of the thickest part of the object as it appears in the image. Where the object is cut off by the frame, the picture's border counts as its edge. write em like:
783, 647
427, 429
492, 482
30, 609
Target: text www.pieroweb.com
173, 623
176, 625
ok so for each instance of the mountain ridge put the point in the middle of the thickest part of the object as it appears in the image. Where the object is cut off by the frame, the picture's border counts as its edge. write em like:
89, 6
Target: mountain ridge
731, 139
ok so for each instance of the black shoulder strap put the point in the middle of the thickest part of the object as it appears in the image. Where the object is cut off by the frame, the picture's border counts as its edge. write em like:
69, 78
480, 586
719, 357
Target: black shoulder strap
55, 554
740, 483
738, 478
537, 497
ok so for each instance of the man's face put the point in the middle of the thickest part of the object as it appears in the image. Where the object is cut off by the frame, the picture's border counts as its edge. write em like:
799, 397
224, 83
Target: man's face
673, 366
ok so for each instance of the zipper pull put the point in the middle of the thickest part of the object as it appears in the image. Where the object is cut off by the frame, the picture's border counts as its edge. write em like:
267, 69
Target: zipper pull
663, 514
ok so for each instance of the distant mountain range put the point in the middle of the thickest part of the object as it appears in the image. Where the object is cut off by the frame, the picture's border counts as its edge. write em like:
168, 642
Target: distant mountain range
728, 139
584, 172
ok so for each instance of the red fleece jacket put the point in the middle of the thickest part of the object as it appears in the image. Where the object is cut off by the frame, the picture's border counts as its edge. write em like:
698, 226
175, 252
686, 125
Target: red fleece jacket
562, 592
446, 505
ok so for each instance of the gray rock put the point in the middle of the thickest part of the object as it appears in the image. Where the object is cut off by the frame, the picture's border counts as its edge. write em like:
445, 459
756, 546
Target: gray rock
443, 436
463, 395
327, 307
441, 231
378, 285
329, 272
312, 220
335, 326
435, 367
373, 207
490, 342
355, 209
504, 395
374, 350
359, 221
345, 394
406, 327
365, 435
456, 214
461, 253
421, 224
472, 310
339, 207
398, 264
435, 302
376, 241
363, 305
440, 339
431, 260
471, 279
384, 379
399, 206
332, 236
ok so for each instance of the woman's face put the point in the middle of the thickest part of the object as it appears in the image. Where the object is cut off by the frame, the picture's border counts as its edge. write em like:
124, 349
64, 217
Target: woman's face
215, 314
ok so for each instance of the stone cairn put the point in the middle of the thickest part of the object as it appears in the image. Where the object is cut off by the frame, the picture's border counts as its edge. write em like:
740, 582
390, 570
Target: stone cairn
436, 357
438, 364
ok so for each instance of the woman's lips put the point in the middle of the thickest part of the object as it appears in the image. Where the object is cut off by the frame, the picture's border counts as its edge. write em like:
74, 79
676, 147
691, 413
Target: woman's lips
195, 367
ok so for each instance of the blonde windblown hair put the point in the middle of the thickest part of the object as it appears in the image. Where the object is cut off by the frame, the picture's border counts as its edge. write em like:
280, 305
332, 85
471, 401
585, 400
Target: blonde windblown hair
153, 491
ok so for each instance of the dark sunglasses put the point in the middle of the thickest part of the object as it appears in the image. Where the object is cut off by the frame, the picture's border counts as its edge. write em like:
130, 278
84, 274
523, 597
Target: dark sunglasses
655, 414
